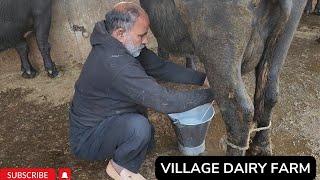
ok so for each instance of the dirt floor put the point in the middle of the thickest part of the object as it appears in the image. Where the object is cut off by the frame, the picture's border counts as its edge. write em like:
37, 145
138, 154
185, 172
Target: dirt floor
34, 113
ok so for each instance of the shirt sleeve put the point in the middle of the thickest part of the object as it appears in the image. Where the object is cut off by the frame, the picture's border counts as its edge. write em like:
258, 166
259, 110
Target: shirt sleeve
142, 89
168, 71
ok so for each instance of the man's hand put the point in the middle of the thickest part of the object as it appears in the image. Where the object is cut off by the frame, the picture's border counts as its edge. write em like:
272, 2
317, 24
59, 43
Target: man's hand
206, 83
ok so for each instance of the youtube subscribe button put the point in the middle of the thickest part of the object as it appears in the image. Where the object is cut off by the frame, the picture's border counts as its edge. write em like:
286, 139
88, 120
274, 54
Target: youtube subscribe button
27, 173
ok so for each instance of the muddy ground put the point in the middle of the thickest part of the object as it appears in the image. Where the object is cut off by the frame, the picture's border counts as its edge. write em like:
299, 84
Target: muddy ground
34, 120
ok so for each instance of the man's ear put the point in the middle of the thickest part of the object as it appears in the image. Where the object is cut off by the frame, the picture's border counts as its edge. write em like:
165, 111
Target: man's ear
119, 34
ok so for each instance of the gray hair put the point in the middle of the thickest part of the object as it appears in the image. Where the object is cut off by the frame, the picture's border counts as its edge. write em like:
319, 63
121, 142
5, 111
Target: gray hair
124, 18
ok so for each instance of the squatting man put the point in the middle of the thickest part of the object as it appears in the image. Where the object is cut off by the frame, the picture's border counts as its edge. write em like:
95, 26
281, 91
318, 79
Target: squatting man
108, 119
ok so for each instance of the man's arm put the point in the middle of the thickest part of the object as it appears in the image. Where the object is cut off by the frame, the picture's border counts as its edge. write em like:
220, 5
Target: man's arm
168, 71
142, 89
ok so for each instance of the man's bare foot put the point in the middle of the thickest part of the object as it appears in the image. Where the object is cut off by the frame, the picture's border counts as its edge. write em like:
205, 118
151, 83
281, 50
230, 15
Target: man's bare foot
117, 172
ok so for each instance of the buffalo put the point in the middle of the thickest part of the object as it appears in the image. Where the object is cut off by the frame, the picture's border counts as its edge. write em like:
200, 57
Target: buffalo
17, 19
231, 38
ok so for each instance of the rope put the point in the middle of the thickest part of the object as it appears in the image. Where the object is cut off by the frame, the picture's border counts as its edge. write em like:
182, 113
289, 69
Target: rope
248, 139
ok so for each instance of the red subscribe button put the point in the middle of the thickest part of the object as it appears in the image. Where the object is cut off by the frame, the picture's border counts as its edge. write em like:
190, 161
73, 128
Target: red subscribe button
27, 173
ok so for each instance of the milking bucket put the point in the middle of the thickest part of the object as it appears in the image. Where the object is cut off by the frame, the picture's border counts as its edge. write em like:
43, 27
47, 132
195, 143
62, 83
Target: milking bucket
191, 128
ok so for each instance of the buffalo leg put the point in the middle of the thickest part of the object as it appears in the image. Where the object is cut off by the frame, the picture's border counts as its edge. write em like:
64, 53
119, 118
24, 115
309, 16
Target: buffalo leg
268, 72
317, 9
237, 112
308, 8
222, 53
190, 62
234, 104
230, 93
27, 70
42, 28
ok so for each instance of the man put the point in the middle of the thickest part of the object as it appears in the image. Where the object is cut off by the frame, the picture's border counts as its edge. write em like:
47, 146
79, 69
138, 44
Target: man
116, 85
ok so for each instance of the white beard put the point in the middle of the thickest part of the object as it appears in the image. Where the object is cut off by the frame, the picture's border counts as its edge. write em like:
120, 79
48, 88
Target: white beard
133, 50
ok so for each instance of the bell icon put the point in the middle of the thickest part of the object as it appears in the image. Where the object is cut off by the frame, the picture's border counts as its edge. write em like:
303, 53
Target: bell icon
64, 175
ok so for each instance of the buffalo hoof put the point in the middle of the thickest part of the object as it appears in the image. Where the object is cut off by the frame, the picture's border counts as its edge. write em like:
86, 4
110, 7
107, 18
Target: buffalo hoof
191, 66
259, 151
53, 71
29, 74
307, 12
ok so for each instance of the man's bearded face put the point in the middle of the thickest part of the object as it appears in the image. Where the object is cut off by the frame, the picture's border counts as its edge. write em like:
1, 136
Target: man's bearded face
133, 49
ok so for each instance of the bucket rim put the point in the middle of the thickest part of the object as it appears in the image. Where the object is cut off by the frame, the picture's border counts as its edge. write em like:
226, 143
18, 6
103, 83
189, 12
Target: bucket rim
175, 121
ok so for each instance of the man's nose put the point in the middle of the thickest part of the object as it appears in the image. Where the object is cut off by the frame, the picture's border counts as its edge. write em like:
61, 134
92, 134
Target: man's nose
145, 41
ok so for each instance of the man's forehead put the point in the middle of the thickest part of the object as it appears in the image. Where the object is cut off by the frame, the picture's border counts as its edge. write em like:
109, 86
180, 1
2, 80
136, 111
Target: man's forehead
144, 19
141, 25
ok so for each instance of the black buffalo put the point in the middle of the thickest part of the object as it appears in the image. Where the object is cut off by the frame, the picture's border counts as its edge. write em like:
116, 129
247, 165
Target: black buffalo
233, 37
17, 18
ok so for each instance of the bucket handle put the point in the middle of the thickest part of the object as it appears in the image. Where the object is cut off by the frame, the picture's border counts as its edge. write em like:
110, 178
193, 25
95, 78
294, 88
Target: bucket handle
175, 121
206, 111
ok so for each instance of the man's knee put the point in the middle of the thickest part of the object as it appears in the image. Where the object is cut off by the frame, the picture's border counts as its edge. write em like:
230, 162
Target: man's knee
140, 128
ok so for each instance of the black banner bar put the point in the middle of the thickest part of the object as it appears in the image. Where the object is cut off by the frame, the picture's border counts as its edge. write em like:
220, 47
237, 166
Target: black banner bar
208, 167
